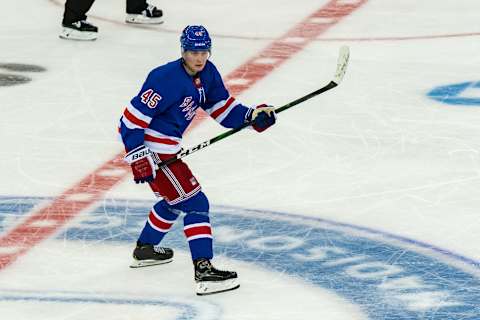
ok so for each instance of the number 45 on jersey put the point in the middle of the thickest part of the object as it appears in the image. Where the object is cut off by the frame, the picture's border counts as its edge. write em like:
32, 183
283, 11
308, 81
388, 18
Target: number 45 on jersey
151, 98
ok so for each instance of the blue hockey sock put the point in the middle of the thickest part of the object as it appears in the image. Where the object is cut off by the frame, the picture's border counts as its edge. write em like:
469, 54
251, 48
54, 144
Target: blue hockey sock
199, 235
159, 222
197, 226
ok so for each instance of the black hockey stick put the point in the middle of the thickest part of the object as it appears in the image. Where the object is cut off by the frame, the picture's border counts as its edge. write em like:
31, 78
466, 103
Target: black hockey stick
337, 79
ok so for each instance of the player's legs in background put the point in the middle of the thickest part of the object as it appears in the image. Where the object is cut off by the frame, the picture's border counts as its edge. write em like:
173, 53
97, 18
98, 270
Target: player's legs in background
139, 11
74, 24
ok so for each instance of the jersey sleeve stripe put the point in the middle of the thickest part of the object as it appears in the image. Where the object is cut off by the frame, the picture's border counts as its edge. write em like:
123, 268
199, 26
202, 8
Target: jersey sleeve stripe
128, 124
221, 109
160, 140
133, 119
155, 133
163, 148
138, 113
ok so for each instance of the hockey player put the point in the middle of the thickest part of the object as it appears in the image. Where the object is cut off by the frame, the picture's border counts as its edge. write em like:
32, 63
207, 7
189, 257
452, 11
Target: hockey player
151, 128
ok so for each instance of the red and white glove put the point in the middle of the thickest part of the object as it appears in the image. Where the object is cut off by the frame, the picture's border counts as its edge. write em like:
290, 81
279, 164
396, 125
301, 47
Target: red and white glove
143, 164
262, 117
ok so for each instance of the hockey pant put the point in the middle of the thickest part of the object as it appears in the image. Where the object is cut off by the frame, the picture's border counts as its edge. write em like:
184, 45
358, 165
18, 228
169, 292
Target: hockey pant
181, 193
76, 10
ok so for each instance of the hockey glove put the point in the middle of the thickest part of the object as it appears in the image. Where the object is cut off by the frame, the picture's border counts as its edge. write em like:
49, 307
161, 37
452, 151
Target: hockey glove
262, 117
143, 164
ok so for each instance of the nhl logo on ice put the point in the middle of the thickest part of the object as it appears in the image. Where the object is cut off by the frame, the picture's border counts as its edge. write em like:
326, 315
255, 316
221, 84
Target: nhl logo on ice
387, 276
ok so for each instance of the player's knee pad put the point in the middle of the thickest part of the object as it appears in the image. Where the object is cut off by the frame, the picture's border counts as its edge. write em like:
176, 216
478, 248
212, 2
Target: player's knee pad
196, 204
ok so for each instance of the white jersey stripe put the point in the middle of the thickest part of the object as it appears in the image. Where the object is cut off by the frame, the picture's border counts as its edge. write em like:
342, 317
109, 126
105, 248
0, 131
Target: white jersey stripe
220, 115
138, 114
157, 134
163, 148
225, 113
216, 106
129, 124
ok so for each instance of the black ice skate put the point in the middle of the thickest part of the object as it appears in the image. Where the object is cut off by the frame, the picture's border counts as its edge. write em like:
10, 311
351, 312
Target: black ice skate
151, 15
210, 280
80, 30
146, 255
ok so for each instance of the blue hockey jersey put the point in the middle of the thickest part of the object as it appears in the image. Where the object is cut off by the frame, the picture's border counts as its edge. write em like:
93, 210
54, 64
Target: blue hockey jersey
161, 112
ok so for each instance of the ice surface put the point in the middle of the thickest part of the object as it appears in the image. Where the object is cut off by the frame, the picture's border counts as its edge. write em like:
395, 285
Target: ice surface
361, 203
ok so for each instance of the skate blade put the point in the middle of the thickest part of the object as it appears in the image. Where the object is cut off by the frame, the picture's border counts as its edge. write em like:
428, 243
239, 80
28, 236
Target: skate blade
148, 263
139, 19
211, 287
71, 34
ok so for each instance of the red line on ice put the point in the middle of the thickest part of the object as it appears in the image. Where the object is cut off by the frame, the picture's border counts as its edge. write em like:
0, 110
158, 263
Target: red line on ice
49, 219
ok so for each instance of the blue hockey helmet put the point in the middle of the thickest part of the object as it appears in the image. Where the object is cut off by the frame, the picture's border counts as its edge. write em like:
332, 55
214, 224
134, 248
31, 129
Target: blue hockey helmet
195, 38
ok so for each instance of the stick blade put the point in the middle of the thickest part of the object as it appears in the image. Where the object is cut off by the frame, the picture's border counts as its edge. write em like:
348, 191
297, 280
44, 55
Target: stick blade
343, 57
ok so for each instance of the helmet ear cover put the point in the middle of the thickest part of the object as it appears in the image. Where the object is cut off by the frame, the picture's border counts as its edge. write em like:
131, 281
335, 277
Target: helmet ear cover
195, 38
